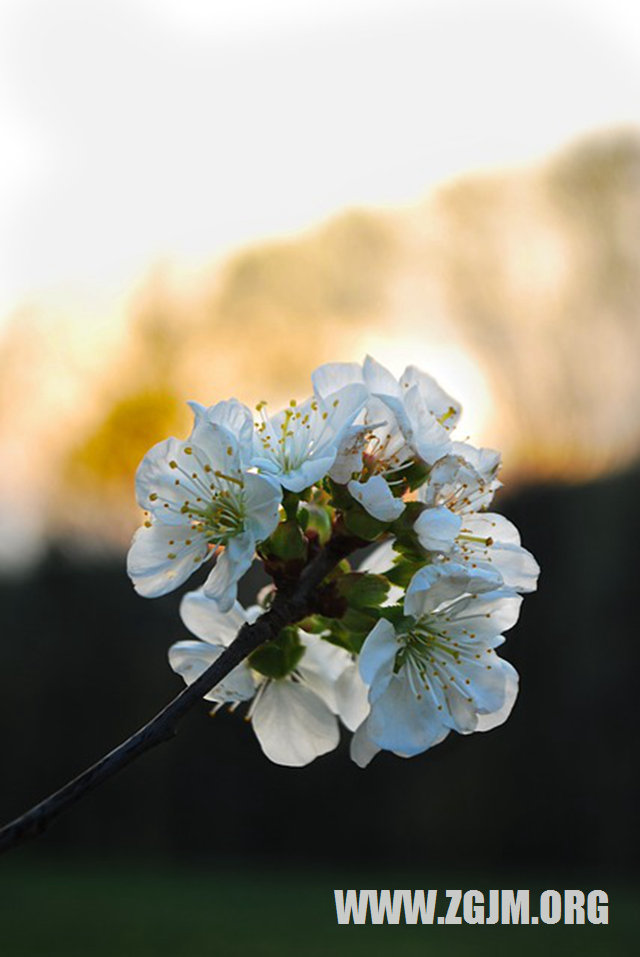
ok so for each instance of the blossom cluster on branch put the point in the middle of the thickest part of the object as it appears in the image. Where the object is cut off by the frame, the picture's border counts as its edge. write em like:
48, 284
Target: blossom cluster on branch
401, 649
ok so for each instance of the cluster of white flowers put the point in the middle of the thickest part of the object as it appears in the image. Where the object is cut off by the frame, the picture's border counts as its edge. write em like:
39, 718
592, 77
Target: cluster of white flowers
401, 650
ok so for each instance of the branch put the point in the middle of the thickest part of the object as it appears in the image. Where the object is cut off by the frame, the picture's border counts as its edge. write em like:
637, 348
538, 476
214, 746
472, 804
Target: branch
287, 608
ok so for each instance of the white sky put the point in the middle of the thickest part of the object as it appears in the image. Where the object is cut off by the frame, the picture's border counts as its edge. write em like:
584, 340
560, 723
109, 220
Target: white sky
139, 129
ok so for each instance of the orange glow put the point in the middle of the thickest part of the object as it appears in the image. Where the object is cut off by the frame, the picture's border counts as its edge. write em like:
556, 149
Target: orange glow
517, 291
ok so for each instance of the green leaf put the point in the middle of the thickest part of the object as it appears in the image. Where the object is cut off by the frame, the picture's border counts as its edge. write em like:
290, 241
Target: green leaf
342, 568
348, 632
337, 635
395, 614
313, 624
363, 589
359, 623
404, 524
279, 657
416, 475
340, 497
401, 574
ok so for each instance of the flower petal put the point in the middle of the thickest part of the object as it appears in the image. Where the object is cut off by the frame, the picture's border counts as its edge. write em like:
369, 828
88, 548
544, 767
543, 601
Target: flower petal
380, 560
293, 725
485, 690
378, 652
262, 498
438, 740
518, 567
488, 721
156, 489
235, 560
159, 559
351, 694
320, 667
399, 721
190, 659
341, 409
310, 472
486, 462
494, 541
484, 615
231, 415
362, 749
376, 497
349, 458
491, 525
430, 439
379, 380
438, 402
203, 618
438, 583
332, 376
437, 529
442, 478
216, 447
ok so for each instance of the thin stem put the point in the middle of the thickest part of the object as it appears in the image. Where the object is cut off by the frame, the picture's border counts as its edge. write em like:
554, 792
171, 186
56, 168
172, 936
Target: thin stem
285, 610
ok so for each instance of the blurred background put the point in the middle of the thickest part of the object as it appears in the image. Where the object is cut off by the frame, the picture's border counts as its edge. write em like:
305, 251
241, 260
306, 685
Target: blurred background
209, 199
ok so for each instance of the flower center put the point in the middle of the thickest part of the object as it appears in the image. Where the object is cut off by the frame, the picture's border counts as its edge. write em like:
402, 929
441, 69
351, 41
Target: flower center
384, 449
300, 433
222, 517
214, 501
431, 660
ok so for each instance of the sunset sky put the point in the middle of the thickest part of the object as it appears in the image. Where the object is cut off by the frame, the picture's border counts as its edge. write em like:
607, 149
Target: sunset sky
178, 129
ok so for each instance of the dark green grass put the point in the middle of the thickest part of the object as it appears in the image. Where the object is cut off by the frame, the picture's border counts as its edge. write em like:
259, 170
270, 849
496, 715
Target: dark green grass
87, 910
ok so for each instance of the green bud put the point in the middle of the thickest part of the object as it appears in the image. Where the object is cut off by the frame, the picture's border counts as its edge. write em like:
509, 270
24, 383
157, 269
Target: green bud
316, 518
288, 542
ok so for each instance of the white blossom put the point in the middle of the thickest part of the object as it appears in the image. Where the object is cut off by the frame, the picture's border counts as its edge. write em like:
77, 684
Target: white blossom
295, 718
459, 489
437, 670
200, 502
429, 665
414, 415
299, 444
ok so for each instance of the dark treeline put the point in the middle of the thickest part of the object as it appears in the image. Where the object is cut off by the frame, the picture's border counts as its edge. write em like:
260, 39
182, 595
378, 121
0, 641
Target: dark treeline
83, 663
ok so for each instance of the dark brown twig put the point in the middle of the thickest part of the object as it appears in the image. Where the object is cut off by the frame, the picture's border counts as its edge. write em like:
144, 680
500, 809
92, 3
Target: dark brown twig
286, 609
